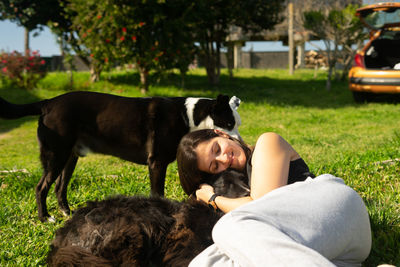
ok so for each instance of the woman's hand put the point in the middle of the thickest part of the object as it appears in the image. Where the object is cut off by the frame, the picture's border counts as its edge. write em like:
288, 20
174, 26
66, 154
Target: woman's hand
204, 193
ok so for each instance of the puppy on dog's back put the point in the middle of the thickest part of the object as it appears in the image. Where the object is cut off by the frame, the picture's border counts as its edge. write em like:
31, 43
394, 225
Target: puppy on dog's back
141, 130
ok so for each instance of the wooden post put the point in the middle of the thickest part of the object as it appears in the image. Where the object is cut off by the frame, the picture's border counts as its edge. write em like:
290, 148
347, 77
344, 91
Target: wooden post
291, 40
237, 55
300, 56
229, 59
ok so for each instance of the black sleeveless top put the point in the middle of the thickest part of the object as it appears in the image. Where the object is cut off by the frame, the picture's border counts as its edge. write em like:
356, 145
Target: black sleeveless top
298, 171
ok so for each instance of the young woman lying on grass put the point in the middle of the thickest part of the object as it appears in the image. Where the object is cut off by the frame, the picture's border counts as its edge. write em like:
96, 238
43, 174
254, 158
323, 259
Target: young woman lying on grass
314, 222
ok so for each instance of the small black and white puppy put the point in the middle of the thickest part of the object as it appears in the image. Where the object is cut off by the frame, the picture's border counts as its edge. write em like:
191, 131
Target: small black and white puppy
141, 130
141, 231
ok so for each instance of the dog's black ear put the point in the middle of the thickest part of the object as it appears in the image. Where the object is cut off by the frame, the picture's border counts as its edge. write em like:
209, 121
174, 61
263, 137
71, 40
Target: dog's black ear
222, 99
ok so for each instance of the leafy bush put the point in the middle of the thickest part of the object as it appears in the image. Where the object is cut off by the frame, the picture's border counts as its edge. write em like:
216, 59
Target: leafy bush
23, 71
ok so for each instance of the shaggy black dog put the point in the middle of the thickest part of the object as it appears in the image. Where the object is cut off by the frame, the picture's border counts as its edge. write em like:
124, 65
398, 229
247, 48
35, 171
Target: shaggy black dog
141, 231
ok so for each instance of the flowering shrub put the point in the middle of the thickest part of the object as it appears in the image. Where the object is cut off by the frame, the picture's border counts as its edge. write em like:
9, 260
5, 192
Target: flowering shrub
147, 34
23, 71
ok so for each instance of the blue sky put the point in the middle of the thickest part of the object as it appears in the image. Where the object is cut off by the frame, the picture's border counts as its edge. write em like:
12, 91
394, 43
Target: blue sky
12, 38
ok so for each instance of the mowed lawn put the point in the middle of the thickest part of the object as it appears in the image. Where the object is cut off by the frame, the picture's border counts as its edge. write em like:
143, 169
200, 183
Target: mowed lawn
358, 142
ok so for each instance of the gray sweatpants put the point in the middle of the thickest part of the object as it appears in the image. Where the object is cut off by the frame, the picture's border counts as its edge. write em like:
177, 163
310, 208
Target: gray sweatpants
318, 222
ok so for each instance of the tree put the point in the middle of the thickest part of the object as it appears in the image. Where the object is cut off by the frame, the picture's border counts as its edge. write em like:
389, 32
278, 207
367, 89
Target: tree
176, 39
212, 21
148, 33
352, 36
340, 30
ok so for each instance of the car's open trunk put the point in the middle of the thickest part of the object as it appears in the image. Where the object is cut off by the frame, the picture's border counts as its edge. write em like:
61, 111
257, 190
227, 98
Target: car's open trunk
384, 52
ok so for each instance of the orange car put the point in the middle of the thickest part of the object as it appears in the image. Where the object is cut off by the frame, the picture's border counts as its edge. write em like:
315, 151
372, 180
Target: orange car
376, 68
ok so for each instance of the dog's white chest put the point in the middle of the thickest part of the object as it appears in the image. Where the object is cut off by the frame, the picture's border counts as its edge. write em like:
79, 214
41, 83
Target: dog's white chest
81, 150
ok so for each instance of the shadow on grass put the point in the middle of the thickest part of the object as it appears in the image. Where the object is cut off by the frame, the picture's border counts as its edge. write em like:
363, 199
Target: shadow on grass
293, 92
383, 98
16, 96
279, 90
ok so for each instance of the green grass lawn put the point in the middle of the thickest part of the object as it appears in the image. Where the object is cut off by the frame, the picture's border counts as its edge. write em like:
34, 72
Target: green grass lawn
358, 142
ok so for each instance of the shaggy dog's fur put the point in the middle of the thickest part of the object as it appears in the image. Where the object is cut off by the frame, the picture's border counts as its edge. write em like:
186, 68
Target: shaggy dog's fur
141, 231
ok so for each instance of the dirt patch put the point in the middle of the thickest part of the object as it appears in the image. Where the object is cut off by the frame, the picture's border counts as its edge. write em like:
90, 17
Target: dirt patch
3, 136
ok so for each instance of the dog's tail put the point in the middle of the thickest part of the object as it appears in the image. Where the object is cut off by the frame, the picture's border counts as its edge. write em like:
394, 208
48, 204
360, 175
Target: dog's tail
75, 256
15, 111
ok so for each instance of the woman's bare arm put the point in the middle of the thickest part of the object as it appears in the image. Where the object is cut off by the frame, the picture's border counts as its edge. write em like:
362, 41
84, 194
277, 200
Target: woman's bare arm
270, 164
270, 169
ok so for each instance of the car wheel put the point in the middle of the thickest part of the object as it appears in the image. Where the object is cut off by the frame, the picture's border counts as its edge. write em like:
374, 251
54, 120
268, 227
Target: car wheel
361, 97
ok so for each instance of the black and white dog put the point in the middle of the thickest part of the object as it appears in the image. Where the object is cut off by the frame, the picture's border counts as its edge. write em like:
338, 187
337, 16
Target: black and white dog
141, 231
141, 130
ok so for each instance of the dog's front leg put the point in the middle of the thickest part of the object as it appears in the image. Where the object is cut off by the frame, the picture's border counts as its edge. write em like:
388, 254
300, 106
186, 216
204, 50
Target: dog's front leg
157, 171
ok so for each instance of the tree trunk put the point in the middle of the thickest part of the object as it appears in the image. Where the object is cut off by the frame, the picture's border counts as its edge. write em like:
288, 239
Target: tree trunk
95, 72
291, 39
211, 70
71, 79
331, 64
348, 61
211, 64
183, 75
144, 81
229, 59
26, 42
329, 80
315, 70
210, 56
61, 46
218, 61
346, 69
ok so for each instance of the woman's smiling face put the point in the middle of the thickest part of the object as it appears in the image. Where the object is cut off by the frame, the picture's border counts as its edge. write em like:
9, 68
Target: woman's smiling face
219, 154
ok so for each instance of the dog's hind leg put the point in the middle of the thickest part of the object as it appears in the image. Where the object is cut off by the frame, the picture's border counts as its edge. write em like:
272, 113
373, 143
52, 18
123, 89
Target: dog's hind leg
157, 171
55, 151
53, 164
42, 189
62, 184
